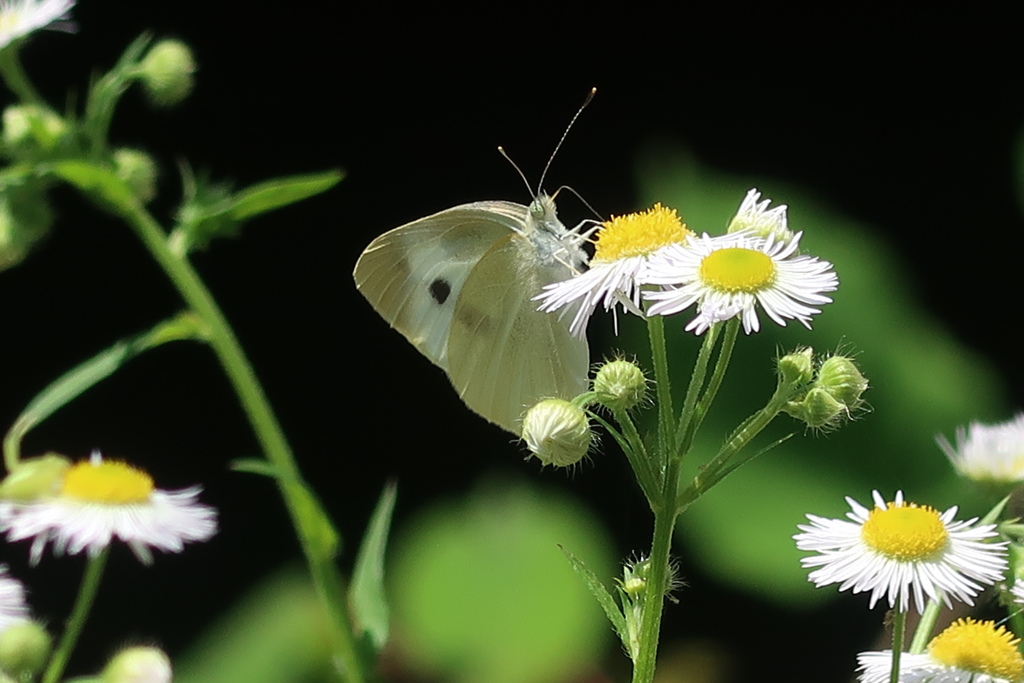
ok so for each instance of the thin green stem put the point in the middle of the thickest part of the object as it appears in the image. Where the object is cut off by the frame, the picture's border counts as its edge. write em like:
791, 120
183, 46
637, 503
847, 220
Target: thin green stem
83, 603
721, 365
637, 454
899, 627
15, 78
925, 626
685, 430
662, 389
327, 580
657, 582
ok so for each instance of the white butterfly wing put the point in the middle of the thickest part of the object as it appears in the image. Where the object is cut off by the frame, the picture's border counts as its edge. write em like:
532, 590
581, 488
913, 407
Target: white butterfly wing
503, 354
413, 275
459, 286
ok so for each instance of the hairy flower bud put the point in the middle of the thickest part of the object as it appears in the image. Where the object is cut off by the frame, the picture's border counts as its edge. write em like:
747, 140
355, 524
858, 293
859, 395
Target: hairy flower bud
138, 665
24, 649
840, 377
620, 385
557, 432
138, 171
797, 367
166, 72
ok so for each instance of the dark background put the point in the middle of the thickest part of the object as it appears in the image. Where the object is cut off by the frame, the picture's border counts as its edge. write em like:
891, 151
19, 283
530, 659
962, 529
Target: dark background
906, 118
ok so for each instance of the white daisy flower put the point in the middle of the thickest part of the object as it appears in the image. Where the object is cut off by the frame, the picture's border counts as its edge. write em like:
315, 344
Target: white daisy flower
99, 500
968, 651
756, 217
18, 18
897, 548
988, 453
730, 274
622, 249
1017, 591
13, 607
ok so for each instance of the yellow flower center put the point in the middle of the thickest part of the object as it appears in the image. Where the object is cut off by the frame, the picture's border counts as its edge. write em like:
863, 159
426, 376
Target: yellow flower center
979, 647
735, 269
108, 481
905, 533
639, 234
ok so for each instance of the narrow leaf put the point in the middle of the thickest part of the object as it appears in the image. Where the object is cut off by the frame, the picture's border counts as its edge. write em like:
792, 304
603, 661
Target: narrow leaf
604, 598
369, 604
279, 192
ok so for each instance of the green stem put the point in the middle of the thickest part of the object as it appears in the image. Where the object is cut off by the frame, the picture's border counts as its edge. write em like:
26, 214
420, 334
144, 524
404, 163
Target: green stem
15, 78
721, 365
664, 508
657, 582
686, 430
326, 578
663, 391
899, 626
83, 603
925, 626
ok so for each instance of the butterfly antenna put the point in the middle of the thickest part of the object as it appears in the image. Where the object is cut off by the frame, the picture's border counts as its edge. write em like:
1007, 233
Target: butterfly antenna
590, 96
580, 197
501, 151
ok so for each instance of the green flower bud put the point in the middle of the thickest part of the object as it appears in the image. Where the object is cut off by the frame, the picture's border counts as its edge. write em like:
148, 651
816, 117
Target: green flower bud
166, 72
840, 377
35, 478
620, 385
25, 217
28, 127
24, 649
557, 432
797, 367
634, 578
818, 409
138, 665
138, 171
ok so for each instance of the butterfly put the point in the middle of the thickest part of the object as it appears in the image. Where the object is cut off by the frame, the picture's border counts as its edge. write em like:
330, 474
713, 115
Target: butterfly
459, 285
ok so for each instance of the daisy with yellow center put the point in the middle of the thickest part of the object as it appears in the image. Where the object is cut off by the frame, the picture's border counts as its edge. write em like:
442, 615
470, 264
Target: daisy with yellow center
988, 453
98, 500
729, 275
968, 650
622, 249
899, 548
18, 18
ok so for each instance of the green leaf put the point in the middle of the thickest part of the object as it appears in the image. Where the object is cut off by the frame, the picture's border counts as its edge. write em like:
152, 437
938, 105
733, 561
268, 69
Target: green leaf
279, 192
256, 466
76, 381
604, 598
210, 211
366, 595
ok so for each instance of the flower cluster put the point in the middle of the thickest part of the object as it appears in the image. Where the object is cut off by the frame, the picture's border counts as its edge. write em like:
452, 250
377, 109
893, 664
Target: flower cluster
757, 263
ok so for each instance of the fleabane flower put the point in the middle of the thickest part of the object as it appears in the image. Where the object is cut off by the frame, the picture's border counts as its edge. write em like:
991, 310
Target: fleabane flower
729, 275
18, 18
98, 500
13, 607
899, 548
968, 651
988, 453
755, 216
622, 249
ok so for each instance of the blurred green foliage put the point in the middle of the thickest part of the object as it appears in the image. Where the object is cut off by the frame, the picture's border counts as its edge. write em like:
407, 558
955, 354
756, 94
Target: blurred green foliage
483, 593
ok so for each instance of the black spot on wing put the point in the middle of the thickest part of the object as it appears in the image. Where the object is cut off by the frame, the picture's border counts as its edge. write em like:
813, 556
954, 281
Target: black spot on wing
440, 290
